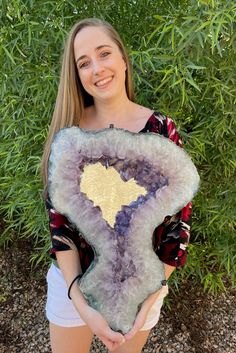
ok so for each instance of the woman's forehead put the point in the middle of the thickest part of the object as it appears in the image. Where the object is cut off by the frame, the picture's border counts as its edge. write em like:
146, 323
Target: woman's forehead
91, 38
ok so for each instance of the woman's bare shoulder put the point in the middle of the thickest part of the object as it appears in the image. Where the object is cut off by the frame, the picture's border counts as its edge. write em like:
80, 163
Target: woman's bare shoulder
141, 112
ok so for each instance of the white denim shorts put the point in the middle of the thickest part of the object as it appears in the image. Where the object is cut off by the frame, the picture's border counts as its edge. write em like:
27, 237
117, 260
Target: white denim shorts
61, 311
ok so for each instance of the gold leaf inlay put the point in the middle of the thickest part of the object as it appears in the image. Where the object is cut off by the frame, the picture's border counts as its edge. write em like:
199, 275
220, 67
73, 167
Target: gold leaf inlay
107, 190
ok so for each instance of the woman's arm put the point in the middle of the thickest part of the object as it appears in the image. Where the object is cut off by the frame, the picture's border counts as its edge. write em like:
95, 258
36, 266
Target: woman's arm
168, 270
67, 254
146, 306
69, 264
171, 238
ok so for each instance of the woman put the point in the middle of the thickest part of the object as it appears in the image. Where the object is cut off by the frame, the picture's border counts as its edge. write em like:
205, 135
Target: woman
96, 90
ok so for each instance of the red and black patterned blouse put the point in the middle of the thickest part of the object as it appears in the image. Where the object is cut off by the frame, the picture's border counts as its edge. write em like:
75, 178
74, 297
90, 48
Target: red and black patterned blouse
170, 238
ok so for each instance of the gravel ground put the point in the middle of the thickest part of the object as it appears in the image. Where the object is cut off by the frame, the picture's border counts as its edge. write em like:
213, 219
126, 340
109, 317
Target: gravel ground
196, 323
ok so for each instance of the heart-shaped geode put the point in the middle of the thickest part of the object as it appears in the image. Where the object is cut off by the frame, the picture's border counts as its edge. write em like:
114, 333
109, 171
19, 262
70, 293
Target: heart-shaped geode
116, 187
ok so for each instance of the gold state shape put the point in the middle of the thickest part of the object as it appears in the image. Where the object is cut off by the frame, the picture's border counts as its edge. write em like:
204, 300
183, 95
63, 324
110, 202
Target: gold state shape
107, 190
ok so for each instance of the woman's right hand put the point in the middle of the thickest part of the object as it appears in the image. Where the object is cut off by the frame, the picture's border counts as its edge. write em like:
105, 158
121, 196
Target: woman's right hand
100, 328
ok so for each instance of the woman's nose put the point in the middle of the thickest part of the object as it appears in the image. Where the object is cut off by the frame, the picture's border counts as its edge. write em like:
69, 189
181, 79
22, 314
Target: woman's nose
97, 67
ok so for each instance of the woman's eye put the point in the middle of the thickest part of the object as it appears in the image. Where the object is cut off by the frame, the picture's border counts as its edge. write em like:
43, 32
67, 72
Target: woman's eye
105, 53
83, 65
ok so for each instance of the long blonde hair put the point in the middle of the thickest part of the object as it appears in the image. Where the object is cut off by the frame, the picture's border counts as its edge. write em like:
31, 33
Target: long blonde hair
72, 99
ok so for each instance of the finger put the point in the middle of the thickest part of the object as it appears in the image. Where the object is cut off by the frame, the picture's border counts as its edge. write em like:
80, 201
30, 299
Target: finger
114, 336
66, 241
130, 334
60, 238
114, 345
109, 344
71, 243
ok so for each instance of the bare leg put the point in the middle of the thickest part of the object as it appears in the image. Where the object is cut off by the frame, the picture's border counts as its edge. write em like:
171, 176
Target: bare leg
70, 339
134, 345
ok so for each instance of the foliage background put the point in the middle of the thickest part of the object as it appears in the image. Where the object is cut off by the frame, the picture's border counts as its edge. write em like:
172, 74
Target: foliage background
183, 54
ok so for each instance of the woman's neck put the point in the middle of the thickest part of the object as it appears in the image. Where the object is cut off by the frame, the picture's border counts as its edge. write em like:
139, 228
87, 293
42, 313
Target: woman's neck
121, 113
115, 111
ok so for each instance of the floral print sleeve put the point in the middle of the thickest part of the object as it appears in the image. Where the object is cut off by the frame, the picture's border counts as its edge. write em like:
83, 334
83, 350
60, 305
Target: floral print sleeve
59, 225
171, 238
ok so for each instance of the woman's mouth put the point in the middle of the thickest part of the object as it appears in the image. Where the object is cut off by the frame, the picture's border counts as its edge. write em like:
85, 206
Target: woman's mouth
104, 82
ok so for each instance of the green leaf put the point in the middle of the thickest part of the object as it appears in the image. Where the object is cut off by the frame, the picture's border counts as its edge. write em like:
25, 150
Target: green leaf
9, 55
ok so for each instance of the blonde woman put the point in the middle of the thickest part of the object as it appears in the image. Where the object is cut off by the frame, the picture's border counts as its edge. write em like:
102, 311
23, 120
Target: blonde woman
96, 90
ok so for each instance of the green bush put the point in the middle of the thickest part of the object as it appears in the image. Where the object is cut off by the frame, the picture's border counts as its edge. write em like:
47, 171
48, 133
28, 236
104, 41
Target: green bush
183, 54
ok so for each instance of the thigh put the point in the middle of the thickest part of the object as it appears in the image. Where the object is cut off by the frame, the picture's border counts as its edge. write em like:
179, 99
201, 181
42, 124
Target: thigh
134, 345
70, 339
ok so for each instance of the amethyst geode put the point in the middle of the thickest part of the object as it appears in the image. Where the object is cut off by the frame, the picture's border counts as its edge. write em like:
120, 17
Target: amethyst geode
125, 270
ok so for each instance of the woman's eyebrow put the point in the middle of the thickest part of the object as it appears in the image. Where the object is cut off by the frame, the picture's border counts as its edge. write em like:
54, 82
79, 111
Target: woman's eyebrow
97, 48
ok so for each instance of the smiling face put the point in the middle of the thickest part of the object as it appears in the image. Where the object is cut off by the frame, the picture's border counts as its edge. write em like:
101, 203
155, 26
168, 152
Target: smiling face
100, 64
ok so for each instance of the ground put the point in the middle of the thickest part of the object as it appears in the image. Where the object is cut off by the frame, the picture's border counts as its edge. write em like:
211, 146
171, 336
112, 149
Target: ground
196, 323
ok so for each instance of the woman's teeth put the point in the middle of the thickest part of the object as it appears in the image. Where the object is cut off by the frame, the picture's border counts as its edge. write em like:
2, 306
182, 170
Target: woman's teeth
103, 82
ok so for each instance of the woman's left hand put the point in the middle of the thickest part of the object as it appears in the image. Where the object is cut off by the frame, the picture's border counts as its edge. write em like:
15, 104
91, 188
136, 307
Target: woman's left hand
142, 315
66, 240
